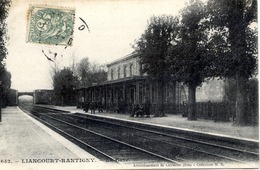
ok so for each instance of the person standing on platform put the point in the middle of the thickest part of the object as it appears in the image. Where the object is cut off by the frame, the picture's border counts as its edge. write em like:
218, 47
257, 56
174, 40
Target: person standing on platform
103, 104
86, 106
100, 107
92, 107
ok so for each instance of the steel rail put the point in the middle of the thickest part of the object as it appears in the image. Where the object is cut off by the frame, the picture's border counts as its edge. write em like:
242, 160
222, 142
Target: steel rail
177, 137
74, 138
170, 136
115, 140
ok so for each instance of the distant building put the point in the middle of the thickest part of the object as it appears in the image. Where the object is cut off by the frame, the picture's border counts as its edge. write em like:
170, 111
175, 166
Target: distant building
128, 66
211, 90
125, 82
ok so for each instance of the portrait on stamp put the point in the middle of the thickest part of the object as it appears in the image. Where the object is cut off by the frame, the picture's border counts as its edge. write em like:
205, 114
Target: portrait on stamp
52, 26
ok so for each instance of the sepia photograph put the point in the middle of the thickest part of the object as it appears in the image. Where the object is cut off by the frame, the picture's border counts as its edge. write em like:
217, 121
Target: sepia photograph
129, 84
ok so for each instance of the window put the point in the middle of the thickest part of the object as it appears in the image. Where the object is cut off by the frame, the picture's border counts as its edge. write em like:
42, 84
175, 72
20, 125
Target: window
112, 74
125, 70
131, 69
140, 67
118, 72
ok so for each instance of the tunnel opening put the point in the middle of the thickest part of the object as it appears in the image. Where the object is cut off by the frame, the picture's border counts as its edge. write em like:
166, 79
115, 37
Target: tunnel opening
25, 100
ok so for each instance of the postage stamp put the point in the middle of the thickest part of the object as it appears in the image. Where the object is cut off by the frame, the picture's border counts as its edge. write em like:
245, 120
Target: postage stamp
48, 25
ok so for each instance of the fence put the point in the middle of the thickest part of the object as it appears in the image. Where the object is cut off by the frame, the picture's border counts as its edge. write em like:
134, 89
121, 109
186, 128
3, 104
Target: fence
217, 111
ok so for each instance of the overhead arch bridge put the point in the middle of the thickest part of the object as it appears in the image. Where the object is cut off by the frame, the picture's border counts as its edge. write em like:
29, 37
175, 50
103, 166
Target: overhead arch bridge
25, 93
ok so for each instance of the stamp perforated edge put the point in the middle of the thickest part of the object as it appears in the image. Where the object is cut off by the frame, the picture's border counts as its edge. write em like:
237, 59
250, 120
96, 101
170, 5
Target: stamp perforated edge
28, 20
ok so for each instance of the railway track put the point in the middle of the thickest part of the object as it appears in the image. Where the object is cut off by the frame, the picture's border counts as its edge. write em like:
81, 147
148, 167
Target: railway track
102, 146
235, 151
176, 148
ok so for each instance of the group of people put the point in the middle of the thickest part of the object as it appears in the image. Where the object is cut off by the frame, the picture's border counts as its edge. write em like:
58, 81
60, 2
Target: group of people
135, 110
141, 110
93, 106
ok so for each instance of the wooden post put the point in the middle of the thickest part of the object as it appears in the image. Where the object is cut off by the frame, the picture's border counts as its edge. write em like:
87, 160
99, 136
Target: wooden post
137, 93
105, 97
124, 98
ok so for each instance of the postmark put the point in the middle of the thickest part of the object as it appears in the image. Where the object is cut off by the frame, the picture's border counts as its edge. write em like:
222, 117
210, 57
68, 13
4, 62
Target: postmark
49, 25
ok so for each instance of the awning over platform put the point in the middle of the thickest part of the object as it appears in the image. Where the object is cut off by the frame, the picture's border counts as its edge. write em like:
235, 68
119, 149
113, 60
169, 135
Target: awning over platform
117, 81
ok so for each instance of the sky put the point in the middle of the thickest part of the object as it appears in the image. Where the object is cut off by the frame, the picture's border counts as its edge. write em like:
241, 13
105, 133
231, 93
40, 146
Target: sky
114, 25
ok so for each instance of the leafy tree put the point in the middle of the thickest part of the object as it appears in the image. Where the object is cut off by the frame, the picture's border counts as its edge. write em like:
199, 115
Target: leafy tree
188, 59
5, 85
90, 73
237, 58
64, 83
251, 99
152, 47
98, 73
82, 70
4, 7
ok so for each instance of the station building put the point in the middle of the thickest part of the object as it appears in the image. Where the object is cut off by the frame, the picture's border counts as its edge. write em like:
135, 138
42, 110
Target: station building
126, 82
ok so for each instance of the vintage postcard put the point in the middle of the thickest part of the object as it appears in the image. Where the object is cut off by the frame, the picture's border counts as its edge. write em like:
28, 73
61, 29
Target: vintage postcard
129, 84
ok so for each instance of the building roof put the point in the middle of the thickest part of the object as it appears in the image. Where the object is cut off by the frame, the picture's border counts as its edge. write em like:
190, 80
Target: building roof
132, 55
126, 80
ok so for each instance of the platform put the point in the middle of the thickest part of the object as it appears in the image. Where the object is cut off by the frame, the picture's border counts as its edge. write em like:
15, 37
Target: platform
177, 121
28, 144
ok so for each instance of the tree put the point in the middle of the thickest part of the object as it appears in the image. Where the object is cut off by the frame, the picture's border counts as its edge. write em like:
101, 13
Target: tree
5, 85
152, 47
90, 73
188, 56
251, 99
98, 73
83, 70
4, 7
64, 83
239, 59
